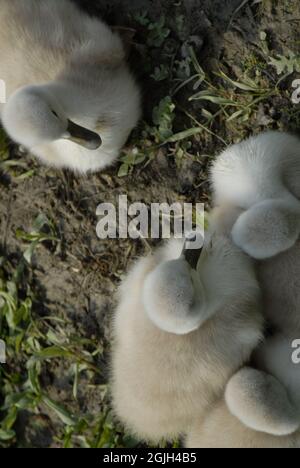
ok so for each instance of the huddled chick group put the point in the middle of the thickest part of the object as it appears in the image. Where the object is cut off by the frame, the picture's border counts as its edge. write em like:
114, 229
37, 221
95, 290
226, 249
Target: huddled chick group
190, 358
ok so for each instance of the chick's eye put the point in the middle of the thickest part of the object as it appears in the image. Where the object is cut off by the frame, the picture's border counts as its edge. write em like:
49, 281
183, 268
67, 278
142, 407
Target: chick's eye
54, 113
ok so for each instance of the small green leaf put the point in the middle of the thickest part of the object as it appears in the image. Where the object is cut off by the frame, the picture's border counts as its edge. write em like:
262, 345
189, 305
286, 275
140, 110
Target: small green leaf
40, 222
287, 64
183, 135
204, 96
65, 416
33, 376
124, 170
7, 435
247, 85
10, 419
28, 254
53, 352
235, 115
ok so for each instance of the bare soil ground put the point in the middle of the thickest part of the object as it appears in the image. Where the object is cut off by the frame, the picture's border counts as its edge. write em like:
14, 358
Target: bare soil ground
74, 278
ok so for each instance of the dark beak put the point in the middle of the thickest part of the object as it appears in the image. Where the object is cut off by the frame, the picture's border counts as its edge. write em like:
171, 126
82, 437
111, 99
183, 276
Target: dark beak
192, 256
82, 136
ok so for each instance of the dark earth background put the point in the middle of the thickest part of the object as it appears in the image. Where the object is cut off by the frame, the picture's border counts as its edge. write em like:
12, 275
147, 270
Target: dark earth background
76, 278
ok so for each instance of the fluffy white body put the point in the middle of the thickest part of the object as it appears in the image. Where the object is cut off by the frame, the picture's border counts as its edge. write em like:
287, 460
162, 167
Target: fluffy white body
268, 168
61, 66
153, 387
261, 176
222, 429
169, 384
